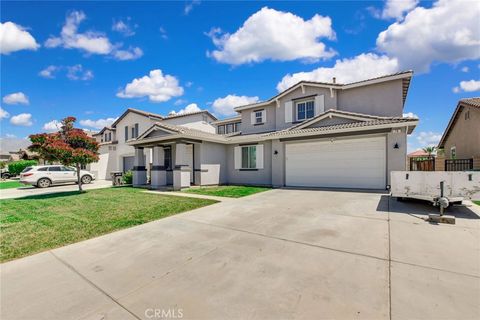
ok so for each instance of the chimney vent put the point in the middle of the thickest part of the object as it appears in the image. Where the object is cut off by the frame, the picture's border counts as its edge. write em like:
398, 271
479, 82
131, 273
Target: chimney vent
334, 80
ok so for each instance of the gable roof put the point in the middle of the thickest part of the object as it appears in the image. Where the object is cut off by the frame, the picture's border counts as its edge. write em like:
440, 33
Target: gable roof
228, 120
341, 114
404, 75
140, 112
470, 102
179, 115
181, 131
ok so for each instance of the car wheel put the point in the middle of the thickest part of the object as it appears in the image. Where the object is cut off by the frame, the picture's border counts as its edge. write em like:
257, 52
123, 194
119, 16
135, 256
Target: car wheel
86, 179
5, 176
44, 183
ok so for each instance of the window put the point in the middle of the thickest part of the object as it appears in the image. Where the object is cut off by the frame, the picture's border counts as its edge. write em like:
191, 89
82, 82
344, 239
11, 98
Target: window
221, 129
54, 169
68, 169
230, 128
467, 115
136, 130
305, 110
106, 137
204, 117
453, 152
249, 157
259, 116
236, 127
133, 132
109, 136
168, 158
42, 169
126, 133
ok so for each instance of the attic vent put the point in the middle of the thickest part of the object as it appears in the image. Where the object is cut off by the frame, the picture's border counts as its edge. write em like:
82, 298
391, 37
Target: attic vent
334, 80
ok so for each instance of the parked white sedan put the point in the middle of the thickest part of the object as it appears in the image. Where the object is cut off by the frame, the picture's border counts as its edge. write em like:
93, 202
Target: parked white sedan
45, 176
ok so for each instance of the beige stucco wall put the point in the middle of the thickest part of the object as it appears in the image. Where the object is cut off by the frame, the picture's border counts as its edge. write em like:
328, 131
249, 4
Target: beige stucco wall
465, 135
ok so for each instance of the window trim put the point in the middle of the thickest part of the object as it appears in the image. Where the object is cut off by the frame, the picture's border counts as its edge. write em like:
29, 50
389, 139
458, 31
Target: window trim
249, 159
304, 102
262, 117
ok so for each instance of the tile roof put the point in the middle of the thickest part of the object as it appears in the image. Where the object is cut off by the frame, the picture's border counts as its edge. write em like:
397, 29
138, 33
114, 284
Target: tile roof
360, 124
474, 102
178, 115
337, 85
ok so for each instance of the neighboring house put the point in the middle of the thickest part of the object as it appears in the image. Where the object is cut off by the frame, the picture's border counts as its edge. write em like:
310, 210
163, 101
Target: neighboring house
5, 157
461, 139
310, 135
115, 152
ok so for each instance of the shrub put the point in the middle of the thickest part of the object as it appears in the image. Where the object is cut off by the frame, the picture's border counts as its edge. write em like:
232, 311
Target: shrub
17, 166
128, 177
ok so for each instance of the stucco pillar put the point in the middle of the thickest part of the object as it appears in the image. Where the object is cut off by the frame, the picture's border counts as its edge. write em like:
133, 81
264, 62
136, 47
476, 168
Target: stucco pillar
139, 170
181, 172
278, 164
158, 172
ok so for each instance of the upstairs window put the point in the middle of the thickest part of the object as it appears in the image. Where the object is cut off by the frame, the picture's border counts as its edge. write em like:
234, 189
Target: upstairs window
221, 129
259, 116
305, 110
126, 133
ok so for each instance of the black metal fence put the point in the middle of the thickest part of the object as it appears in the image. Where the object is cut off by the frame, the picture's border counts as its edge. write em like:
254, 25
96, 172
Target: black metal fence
422, 163
458, 164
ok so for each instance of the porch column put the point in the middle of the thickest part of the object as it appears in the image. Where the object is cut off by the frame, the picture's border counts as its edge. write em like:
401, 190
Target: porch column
158, 173
181, 173
139, 170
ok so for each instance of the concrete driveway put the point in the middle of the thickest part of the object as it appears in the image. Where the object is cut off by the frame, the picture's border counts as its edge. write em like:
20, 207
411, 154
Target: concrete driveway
31, 191
282, 254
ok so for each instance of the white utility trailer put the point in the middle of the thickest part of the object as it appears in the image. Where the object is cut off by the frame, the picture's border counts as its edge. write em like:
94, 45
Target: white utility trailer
439, 187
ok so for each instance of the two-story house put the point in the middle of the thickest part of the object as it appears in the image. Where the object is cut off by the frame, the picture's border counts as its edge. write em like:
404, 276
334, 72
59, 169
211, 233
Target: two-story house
115, 152
310, 135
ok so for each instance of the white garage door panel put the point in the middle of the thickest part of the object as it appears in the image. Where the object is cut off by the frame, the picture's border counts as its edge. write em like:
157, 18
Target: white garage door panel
355, 163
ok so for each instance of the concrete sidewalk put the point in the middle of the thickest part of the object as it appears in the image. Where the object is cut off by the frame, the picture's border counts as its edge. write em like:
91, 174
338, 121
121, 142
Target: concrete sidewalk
280, 254
32, 191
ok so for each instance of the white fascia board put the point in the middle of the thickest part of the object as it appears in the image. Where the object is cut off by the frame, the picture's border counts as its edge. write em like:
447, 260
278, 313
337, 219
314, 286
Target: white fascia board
374, 81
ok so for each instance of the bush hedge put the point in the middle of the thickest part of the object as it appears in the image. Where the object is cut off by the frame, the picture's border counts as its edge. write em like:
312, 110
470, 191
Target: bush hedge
17, 166
127, 177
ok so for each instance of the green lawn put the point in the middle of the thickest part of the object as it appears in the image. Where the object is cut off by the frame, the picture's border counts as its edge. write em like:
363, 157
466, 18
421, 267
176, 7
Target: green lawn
477, 202
10, 184
227, 191
37, 223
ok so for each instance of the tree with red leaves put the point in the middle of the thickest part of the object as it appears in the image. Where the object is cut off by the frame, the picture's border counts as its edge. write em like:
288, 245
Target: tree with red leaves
69, 146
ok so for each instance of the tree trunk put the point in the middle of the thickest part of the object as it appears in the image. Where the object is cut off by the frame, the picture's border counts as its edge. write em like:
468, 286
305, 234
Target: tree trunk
79, 178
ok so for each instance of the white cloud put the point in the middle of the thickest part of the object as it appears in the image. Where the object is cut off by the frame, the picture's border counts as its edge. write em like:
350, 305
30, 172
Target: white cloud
9, 135
22, 119
179, 102
192, 107
48, 72
465, 69
428, 138
13, 144
53, 125
163, 33
13, 37
16, 98
97, 124
410, 115
77, 72
129, 54
189, 6
274, 35
91, 42
4, 114
124, 27
156, 86
397, 8
361, 67
224, 106
468, 86
448, 32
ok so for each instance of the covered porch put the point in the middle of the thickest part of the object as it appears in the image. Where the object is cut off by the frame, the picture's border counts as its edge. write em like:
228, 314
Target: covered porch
179, 159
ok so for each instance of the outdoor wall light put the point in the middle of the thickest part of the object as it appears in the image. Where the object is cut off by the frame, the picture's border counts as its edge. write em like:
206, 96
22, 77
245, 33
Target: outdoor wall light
396, 146
275, 152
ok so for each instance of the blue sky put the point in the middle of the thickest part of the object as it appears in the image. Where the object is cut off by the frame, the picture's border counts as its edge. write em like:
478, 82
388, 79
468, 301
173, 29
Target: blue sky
214, 55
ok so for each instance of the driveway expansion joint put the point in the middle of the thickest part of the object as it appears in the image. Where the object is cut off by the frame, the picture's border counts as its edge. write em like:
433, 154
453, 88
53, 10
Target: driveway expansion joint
72, 268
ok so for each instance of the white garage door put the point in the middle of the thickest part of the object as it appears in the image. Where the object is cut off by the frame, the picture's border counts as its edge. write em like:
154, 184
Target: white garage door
353, 163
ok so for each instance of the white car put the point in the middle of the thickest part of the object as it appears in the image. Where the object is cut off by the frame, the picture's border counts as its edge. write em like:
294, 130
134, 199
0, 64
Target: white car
45, 176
